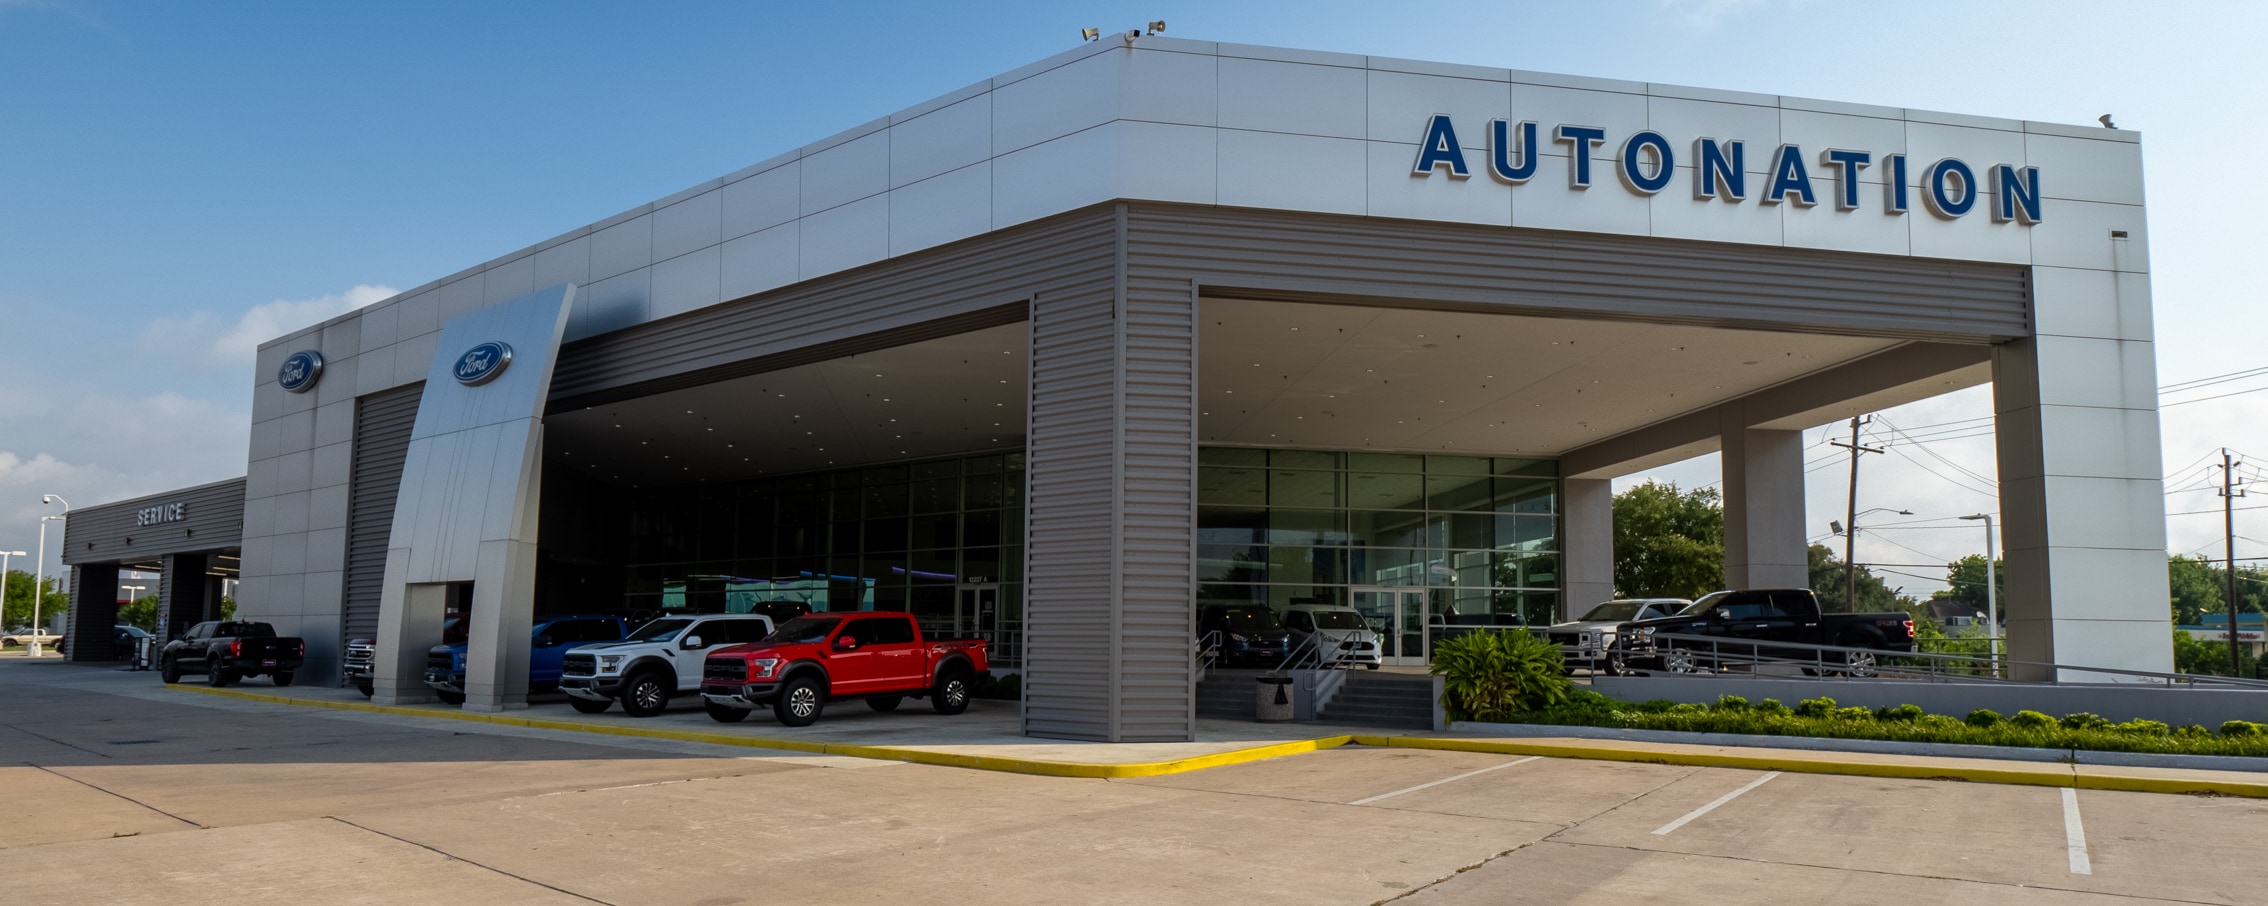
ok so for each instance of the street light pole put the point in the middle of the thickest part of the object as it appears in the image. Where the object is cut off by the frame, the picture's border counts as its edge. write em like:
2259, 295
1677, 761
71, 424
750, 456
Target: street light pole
1850, 561
1991, 590
39, 568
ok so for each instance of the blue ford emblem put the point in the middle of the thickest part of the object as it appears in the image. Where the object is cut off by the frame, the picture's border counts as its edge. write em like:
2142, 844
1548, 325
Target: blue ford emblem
300, 370
483, 363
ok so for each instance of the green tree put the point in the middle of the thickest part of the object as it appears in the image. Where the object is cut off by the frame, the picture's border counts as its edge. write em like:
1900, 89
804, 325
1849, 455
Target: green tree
2196, 589
1967, 578
2193, 655
1668, 543
1828, 581
140, 612
16, 600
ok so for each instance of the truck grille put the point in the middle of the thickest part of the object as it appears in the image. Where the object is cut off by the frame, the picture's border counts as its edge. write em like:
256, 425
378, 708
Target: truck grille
727, 669
358, 654
438, 660
579, 664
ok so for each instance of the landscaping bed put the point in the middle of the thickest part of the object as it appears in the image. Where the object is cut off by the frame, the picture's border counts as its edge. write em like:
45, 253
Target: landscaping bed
1516, 678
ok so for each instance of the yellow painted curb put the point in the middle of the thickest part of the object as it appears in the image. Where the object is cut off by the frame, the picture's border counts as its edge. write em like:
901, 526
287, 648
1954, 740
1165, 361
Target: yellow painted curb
887, 753
2056, 775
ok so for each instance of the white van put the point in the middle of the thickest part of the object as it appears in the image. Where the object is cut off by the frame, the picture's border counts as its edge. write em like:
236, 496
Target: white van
1346, 639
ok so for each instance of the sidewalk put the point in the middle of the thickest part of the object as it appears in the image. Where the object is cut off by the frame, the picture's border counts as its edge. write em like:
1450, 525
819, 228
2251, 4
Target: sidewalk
989, 737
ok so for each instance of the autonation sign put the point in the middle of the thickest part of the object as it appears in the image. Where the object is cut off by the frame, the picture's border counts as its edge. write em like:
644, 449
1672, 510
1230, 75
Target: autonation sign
1648, 164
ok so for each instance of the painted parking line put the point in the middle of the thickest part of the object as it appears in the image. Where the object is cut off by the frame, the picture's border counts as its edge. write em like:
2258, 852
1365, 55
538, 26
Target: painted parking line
1428, 786
1728, 797
2075, 834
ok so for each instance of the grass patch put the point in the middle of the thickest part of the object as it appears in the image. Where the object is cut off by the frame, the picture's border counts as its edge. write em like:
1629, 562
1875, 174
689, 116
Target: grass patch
1821, 718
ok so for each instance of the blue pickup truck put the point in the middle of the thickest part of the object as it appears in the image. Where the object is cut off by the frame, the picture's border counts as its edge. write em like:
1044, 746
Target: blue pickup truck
551, 639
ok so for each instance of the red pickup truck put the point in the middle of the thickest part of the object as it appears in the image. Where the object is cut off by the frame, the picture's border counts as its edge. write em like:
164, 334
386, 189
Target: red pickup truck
879, 656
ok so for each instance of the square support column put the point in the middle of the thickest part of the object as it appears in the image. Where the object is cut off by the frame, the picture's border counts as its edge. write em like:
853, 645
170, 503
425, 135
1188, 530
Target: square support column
399, 671
1587, 519
2081, 498
181, 594
1111, 472
94, 609
1764, 538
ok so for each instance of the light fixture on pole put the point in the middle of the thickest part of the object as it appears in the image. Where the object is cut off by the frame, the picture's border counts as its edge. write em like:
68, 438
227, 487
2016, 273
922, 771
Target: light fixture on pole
39, 567
1991, 589
1850, 559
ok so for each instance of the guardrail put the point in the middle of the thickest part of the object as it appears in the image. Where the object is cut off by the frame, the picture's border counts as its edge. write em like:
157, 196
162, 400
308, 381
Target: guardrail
1679, 653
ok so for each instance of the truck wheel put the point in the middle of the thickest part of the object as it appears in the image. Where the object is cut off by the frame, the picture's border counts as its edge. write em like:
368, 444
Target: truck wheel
169, 671
1860, 664
885, 703
454, 698
1680, 660
726, 715
280, 677
645, 695
952, 693
366, 689
217, 676
799, 703
590, 707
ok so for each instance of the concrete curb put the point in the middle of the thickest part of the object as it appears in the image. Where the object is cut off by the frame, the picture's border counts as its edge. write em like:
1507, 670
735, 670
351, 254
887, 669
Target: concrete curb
2074, 776
1096, 770
2059, 775
1880, 747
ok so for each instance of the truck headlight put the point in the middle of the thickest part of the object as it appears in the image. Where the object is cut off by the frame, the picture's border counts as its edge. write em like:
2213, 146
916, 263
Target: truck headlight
1644, 635
762, 667
608, 663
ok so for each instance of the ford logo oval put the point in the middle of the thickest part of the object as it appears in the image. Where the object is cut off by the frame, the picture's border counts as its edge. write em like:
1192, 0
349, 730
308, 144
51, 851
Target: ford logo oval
299, 371
483, 363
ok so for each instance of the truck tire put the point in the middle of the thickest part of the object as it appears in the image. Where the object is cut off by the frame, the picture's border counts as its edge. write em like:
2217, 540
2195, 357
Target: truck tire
646, 694
1860, 664
280, 677
726, 715
366, 689
952, 693
217, 676
590, 707
454, 698
885, 703
799, 702
169, 671
1681, 660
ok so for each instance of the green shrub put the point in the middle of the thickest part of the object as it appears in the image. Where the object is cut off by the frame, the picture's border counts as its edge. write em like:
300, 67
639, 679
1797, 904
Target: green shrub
1815, 707
2085, 720
1937, 722
2032, 720
2143, 727
1771, 706
1983, 717
1731, 703
1688, 708
2242, 728
1853, 712
2192, 731
1900, 714
1496, 675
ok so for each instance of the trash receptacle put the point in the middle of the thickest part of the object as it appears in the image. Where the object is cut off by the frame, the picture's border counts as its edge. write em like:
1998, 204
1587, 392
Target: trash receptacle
1273, 703
142, 646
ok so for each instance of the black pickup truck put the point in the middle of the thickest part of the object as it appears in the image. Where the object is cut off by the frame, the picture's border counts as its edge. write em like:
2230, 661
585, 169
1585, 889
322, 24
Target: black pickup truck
230, 650
1746, 624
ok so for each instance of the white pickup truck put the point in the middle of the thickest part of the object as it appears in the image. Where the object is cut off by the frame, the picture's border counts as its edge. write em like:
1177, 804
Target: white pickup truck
658, 662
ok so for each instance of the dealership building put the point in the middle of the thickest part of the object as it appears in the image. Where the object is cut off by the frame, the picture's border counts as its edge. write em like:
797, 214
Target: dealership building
1063, 356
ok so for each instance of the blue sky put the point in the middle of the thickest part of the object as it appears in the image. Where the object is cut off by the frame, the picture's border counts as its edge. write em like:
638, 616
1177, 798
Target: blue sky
181, 181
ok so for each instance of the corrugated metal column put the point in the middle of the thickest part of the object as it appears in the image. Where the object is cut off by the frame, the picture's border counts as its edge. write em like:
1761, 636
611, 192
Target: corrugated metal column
181, 593
94, 609
1111, 478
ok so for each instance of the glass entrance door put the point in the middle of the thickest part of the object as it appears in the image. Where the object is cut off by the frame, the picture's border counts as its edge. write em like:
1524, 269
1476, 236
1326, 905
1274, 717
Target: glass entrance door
976, 611
1398, 616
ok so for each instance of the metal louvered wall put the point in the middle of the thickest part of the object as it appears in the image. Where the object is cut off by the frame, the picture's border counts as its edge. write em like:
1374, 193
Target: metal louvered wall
382, 423
1247, 254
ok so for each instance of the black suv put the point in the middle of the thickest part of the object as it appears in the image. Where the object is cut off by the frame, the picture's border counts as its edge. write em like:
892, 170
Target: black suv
1248, 634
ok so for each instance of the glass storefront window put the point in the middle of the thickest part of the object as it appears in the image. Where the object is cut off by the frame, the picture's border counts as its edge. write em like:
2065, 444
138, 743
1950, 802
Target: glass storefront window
1317, 490
1232, 486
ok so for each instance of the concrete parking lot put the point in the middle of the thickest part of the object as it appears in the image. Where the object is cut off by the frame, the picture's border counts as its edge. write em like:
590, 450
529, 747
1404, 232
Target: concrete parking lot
120, 791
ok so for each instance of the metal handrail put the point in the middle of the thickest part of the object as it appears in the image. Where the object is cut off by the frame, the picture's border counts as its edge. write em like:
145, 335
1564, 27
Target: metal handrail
1307, 655
1883, 664
1204, 653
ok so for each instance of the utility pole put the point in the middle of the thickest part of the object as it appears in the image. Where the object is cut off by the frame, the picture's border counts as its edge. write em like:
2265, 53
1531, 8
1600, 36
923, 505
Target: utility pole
1850, 515
2229, 494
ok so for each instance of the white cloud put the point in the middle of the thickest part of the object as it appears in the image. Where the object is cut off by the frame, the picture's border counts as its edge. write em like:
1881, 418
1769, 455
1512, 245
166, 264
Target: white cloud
1706, 14
209, 340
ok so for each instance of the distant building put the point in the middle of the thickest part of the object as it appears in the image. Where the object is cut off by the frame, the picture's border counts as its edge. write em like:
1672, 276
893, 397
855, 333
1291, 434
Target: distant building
2251, 630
